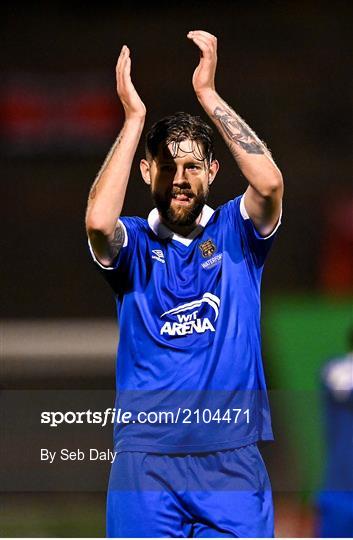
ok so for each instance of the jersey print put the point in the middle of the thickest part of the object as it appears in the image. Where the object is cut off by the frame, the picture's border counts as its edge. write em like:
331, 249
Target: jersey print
189, 324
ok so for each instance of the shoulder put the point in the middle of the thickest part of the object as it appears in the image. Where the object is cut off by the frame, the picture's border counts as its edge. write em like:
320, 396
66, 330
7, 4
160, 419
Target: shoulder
134, 225
230, 210
231, 206
134, 222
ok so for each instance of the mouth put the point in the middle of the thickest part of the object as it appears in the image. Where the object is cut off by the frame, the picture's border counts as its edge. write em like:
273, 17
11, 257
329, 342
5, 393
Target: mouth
182, 198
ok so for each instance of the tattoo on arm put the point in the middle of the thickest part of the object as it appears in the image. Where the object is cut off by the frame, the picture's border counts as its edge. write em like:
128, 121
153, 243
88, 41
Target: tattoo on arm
93, 191
117, 241
239, 133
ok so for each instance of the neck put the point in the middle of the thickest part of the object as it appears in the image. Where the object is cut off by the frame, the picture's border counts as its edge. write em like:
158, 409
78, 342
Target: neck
182, 230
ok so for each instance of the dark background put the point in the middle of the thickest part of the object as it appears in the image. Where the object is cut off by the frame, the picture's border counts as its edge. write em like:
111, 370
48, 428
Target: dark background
285, 67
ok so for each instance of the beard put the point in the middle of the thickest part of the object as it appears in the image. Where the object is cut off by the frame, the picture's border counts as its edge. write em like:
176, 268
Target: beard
179, 214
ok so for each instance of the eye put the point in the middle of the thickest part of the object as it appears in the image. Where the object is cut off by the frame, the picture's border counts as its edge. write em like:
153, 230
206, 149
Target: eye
167, 168
193, 167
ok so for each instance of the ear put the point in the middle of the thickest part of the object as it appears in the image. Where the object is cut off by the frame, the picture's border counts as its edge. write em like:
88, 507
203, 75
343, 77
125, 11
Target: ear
145, 171
213, 170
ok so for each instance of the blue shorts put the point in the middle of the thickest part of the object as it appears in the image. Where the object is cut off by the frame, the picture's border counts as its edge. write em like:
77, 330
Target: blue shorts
219, 494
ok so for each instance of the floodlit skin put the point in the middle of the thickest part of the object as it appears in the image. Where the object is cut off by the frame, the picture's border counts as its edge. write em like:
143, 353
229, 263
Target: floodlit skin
168, 175
180, 174
181, 183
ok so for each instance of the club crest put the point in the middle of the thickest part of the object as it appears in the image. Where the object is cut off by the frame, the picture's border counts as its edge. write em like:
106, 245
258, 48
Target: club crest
207, 248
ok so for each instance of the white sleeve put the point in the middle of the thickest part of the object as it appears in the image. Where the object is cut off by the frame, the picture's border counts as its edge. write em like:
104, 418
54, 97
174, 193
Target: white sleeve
245, 215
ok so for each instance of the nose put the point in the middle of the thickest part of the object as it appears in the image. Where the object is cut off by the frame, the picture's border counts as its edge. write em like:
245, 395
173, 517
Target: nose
180, 177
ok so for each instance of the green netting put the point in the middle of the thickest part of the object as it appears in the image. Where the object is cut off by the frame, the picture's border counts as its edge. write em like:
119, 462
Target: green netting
301, 333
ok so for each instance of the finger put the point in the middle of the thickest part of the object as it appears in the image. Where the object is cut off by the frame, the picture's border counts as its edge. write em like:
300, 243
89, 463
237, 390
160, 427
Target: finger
121, 85
121, 56
126, 83
211, 41
126, 72
204, 46
122, 66
205, 34
200, 42
206, 38
125, 53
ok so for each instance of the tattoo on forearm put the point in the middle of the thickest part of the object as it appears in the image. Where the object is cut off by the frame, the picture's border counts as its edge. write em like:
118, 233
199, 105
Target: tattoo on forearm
117, 241
93, 191
239, 132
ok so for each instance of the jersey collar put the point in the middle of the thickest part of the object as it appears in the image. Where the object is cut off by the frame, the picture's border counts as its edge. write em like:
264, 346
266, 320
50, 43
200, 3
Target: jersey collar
162, 231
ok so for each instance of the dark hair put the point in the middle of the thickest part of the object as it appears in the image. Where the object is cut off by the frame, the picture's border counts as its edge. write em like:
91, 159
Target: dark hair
178, 127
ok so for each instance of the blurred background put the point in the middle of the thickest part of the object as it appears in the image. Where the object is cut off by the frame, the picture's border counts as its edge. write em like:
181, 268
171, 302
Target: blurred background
285, 68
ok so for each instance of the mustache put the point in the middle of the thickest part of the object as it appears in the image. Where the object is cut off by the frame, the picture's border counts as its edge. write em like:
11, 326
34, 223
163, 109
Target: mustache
179, 191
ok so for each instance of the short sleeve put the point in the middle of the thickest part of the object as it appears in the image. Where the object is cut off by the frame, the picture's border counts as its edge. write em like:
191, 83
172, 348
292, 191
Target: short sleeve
254, 245
118, 273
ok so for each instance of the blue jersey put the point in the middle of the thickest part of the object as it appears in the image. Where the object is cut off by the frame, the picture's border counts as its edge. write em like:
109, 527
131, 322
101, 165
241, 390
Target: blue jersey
189, 366
337, 376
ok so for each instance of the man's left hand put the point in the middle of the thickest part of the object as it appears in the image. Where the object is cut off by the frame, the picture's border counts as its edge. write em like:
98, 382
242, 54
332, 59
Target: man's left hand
203, 79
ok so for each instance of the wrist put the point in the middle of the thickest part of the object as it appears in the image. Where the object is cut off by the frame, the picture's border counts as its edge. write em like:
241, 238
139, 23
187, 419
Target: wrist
206, 94
137, 120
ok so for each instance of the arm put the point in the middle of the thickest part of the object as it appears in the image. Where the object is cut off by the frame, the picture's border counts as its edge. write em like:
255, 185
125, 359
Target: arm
106, 197
263, 197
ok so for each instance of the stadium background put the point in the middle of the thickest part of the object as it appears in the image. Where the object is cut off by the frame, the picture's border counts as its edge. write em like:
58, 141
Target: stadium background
284, 66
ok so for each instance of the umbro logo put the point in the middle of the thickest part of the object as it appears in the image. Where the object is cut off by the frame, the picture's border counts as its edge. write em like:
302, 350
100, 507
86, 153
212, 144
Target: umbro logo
158, 255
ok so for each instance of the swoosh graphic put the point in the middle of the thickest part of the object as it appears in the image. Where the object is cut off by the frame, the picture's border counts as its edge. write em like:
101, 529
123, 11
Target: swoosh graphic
208, 298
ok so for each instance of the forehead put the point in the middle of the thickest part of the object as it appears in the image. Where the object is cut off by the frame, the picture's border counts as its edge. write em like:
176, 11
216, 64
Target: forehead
186, 149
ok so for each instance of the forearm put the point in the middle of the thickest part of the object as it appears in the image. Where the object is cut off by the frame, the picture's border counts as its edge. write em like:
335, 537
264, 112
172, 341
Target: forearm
107, 194
251, 154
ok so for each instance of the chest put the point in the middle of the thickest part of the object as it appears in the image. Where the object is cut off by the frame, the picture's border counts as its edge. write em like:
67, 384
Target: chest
184, 269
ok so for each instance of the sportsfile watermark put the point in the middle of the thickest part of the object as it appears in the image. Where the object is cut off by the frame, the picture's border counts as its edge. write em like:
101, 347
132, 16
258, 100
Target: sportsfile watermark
66, 440
117, 416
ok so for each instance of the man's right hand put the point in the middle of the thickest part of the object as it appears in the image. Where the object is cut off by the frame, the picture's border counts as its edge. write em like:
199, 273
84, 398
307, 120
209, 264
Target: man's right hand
107, 194
131, 101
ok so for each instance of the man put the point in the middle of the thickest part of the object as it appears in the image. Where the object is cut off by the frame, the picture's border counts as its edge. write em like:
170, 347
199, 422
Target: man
187, 284
335, 500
